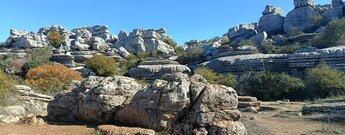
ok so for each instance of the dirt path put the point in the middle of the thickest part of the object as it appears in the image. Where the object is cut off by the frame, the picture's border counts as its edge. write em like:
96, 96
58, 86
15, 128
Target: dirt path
15, 129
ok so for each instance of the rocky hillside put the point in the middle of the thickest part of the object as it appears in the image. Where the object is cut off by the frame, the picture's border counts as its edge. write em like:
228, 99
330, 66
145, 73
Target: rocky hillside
263, 45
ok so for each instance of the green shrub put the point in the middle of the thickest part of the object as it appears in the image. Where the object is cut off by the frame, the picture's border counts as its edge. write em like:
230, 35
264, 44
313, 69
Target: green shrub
317, 20
170, 42
269, 85
334, 35
192, 55
227, 80
56, 39
246, 42
323, 81
42, 54
295, 32
6, 83
209, 75
103, 65
289, 49
267, 48
213, 78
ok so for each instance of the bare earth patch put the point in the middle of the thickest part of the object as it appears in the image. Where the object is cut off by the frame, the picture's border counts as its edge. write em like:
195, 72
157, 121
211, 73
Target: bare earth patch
291, 124
16, 129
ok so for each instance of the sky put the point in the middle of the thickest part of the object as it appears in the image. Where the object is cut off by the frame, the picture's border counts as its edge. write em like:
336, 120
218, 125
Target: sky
184, 20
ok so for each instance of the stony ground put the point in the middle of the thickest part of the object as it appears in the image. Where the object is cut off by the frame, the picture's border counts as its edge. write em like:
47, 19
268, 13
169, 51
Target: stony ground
284, 120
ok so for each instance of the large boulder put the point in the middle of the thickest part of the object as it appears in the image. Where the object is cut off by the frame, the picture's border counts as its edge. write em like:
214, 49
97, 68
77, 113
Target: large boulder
259, 38
175, 103
272, 20
300, 18
336, 12
242, 32
96, 100
304, 3
155, 69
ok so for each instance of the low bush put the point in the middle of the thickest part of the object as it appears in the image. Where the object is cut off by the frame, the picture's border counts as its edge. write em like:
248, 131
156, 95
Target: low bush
289, 49
323, 81
170, 42
42, 54
269, 85
51, 78
334, 35
246, 42
213, 78
6, 83
193, 54
102, 65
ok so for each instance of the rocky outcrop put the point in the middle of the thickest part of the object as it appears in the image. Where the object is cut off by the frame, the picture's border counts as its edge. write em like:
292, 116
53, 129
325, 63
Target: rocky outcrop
96, 100
208, 46
151, 70
272, 20
295, 63
259, 38
176, 103
301, 17
303, 3
242, 32
241, 63
337, 11
26, 39
140, 40
24, 102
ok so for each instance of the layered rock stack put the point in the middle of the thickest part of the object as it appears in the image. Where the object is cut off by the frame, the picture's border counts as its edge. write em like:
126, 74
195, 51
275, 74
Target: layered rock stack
295, 63
177, 103
246, 102
272, 20
151, 70
140, 40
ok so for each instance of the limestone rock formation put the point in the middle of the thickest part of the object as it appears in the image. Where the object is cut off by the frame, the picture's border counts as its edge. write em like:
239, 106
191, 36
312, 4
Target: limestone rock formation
300, 18
155, 69
336, 12
304, 3
26, 39
259, 38
295, 63
176, 103
140, 40
96, 100
272, 20
24, 102
242, 32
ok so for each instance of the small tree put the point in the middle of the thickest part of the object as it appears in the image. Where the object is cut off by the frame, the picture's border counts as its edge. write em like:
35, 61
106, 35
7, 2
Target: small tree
269, 85
323, 81
103, 65
56, 39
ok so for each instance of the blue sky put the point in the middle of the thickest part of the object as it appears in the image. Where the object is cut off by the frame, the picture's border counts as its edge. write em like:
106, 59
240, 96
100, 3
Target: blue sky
184, 19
